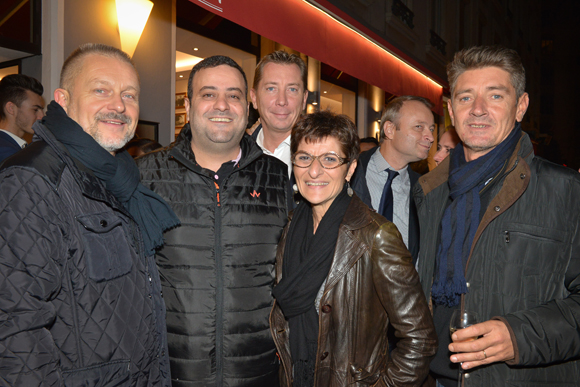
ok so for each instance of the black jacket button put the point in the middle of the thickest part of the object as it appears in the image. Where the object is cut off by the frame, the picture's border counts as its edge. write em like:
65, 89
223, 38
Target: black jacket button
324, 355
104, 223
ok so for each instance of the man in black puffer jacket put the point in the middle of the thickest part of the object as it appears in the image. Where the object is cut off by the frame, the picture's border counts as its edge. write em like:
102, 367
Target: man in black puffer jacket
80, 297
217, 267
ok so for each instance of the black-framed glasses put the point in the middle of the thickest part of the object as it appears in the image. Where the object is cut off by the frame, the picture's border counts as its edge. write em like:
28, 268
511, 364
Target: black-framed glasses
328, 160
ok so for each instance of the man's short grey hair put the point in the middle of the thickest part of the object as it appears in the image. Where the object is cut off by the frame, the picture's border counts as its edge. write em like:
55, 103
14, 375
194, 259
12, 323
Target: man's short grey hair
73, 64
478, 57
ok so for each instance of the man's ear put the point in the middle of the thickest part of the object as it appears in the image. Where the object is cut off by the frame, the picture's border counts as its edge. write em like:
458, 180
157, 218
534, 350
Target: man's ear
62, 97
10, 108
389, 129
186, 105
305, 98
450, 110
522, 106
254, 98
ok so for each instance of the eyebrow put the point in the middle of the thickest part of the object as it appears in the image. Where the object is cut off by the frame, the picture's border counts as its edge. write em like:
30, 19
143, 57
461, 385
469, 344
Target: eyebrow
489, 88
215, 88
289, 84
98, 81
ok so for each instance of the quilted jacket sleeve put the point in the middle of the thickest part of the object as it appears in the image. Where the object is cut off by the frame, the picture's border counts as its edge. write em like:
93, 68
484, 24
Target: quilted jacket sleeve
31, 245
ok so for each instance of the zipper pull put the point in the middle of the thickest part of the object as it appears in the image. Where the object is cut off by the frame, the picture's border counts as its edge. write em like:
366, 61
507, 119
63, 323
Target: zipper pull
507, 236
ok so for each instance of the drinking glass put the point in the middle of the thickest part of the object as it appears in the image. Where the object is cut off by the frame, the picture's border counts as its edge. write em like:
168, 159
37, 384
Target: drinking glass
459, 320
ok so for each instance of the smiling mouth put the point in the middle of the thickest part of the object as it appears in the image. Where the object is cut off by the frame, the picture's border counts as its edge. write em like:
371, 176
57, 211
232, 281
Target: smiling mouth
478, 126
316, 184
220, 119
113, 122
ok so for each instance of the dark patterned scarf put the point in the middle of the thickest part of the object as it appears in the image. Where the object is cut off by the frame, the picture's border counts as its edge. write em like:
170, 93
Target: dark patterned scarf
461, 218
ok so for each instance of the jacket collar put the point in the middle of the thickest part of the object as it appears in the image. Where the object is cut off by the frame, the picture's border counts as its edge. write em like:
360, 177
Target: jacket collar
440, 175
88, 183
181, 151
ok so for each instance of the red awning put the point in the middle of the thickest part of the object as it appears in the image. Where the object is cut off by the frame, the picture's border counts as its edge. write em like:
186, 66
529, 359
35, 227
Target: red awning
299, 25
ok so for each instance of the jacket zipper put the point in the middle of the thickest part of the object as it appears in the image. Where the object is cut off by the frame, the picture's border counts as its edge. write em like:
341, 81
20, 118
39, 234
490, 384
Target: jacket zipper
219, 294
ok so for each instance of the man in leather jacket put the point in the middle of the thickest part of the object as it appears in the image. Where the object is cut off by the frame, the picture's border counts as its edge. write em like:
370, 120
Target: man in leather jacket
500, 237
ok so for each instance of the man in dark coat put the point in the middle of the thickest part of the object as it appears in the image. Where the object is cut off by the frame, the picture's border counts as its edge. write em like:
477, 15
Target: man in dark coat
500, 237
407, 134
80, 300
21, 105
217, 267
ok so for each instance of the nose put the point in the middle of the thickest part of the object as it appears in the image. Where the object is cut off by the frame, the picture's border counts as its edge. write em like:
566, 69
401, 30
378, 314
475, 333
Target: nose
439, 156
281, 98
429, 136
478, 108
315, 169
39, 114
116, 103
221, 103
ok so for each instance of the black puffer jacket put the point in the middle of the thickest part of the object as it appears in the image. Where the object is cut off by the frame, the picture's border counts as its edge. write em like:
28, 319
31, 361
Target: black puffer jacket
524, 267
217, 267
80, 304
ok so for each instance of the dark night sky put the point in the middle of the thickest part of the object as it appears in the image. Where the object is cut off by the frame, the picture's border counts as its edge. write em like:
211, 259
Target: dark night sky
560, 67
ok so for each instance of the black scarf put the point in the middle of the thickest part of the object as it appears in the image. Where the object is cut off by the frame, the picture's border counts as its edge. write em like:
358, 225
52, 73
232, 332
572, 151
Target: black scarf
461, 218
307, 261
119, 173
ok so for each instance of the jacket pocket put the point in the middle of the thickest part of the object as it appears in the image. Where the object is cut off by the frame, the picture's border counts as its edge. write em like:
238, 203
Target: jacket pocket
526, 282
106, 246
360, 375
110, 374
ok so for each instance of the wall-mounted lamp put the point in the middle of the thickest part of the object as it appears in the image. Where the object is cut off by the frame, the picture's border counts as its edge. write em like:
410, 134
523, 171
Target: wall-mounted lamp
132, 16
313, 97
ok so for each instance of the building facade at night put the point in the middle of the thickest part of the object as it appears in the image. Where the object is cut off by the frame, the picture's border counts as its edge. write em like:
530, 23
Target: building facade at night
360, 53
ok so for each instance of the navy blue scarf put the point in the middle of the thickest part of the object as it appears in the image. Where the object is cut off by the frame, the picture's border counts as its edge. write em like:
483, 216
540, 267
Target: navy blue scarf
119, 173
461, 218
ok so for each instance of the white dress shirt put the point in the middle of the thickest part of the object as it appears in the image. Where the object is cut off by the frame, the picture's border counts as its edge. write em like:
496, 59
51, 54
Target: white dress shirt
282, 152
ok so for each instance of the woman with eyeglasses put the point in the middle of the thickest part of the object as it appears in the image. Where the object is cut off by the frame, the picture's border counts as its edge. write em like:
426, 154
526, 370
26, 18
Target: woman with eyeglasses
343, 275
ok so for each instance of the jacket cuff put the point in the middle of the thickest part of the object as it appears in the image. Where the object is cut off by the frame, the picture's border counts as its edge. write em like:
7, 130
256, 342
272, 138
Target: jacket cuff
516, 358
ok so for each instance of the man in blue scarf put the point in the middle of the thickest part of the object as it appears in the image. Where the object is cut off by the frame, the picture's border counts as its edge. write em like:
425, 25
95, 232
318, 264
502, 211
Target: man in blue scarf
500, 237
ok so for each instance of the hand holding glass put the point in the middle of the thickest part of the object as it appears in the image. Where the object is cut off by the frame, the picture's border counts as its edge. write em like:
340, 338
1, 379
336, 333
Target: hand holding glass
459, 320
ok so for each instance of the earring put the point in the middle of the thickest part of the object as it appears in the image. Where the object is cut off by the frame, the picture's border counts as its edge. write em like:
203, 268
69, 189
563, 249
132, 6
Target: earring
295, 188
349, 190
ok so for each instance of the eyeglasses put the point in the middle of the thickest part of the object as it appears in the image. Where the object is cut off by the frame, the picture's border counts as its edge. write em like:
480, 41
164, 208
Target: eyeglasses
328, 160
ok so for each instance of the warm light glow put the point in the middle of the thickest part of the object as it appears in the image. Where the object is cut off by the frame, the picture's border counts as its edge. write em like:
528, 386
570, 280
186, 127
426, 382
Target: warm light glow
132, 16
184, 61
195, 49
342, 23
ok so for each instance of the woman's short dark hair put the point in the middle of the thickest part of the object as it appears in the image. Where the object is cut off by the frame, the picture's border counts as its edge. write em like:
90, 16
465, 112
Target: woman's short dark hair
317, 126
